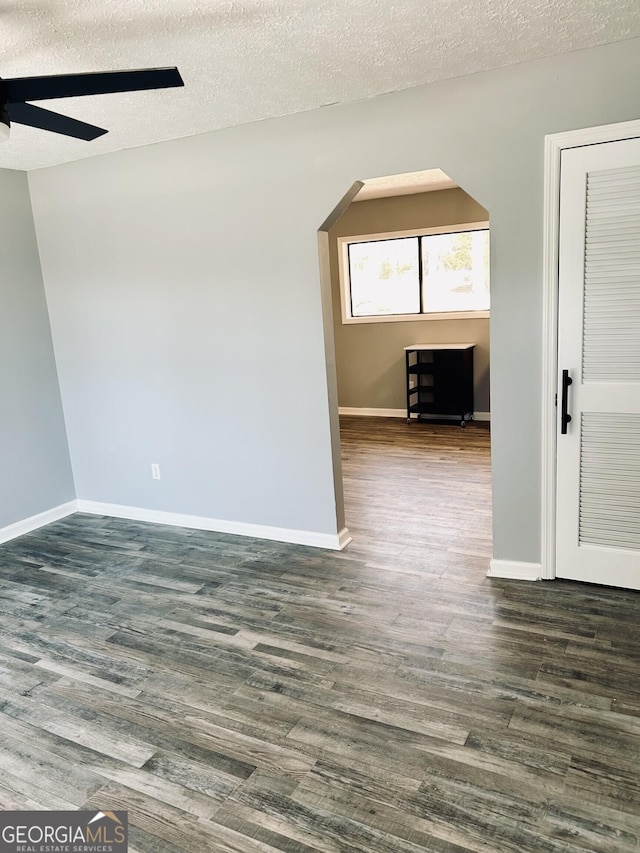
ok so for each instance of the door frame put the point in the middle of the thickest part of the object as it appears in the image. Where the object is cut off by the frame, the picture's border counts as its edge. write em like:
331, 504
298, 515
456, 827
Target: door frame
554, 144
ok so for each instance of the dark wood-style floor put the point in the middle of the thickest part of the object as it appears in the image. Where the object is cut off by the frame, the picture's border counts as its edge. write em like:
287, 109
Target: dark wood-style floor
238, 695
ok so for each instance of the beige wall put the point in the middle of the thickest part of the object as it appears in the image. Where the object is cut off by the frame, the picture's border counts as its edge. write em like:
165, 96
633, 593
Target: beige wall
369, 356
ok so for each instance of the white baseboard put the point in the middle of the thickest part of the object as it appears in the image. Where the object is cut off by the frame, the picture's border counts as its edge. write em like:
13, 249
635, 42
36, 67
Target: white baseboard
27, 525
372, 413
395, 413
344, 537
332, 541
513, 570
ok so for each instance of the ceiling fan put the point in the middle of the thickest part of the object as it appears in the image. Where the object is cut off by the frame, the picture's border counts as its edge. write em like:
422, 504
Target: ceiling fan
17, 92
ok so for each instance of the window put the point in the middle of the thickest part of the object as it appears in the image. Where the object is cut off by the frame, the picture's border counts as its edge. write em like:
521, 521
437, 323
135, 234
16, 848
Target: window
436, 274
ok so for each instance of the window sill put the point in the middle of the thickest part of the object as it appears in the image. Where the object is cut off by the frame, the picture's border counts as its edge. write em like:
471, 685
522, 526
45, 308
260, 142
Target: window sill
404, 318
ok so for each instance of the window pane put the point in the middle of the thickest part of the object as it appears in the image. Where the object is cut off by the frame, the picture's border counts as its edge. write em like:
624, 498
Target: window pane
455, 271
384, 277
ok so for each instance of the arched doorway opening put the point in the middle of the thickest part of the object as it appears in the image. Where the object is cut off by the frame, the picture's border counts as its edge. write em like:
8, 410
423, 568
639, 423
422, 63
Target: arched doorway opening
407, 485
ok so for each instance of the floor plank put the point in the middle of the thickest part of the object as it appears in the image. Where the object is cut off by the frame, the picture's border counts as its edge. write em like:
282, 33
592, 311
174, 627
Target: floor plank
237, 695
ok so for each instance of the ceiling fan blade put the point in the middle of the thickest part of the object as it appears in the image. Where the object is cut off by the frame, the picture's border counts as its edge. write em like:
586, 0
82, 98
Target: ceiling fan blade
97, 83
34, 116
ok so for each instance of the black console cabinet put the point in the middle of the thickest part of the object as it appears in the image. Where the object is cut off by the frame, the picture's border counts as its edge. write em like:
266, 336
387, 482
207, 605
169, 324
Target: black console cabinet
440, 381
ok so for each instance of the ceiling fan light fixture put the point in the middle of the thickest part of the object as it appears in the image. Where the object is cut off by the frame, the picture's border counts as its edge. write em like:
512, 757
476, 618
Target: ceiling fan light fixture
17, 93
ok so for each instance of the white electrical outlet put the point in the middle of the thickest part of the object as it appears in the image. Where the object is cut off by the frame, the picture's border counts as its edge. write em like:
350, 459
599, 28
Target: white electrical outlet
155, 470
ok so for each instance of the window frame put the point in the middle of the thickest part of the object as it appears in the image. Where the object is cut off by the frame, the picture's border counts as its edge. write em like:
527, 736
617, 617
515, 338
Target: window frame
345, 283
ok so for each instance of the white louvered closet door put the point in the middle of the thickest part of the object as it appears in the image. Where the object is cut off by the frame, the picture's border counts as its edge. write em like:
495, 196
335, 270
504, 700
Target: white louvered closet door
598, 456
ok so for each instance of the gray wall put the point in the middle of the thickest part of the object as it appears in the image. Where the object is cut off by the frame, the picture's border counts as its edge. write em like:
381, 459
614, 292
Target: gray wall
369, 356
186, 309
177, 340
35, 473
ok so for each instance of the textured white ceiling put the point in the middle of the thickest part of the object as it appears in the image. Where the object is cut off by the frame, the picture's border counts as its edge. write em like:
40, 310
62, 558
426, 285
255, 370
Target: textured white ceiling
244, 61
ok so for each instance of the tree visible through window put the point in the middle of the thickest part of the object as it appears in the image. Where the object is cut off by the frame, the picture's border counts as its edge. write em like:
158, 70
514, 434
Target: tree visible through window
430, 273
